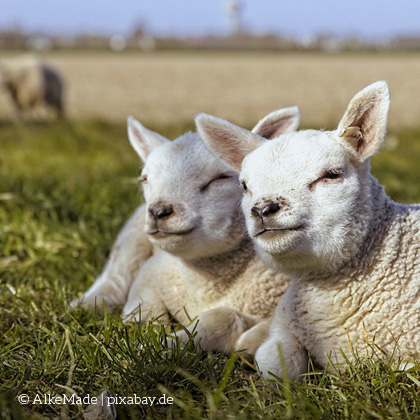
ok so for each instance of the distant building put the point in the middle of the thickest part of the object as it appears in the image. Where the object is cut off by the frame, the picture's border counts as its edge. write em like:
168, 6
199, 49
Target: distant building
233, 10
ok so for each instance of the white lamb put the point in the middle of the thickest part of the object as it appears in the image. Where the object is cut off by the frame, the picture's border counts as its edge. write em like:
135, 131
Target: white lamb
192, 213
32, 83
314, 211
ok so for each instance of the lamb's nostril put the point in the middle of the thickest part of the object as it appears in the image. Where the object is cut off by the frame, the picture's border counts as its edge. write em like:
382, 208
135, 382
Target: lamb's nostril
165, 211
256, 211
270, 209
161, 211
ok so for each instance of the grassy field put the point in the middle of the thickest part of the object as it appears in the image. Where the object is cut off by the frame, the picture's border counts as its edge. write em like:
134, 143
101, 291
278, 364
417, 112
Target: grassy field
65, 190
168, 87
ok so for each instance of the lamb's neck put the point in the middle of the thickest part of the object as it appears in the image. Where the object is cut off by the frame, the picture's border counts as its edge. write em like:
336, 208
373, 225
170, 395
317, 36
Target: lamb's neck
368, 219
382, 215
222, 269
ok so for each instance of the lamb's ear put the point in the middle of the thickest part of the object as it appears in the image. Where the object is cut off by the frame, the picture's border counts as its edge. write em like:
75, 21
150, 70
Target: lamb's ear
363, 126
142, 139
278, 122
227, 141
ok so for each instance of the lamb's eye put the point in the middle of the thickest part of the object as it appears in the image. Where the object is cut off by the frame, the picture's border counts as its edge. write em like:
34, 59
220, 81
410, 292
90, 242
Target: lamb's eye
217, 178
143, 179
334, 174
222, 176
244, 186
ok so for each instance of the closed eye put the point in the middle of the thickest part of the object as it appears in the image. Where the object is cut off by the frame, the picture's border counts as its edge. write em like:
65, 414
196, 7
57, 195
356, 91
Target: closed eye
220, 177
329, 177
334, 174
142, 179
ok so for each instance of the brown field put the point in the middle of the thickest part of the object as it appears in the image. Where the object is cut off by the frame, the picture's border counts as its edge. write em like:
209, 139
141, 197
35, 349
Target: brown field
169, 87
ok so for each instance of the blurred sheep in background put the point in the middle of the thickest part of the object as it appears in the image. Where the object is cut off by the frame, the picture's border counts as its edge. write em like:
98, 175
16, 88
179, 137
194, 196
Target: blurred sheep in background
32, 85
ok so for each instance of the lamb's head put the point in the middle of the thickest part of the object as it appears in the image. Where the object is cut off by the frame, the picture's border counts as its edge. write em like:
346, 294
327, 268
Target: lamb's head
307, 194
192, 197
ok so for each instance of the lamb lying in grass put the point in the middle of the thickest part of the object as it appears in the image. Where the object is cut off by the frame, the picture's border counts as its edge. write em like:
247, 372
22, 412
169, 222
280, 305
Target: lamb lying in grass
315, 212
210, 267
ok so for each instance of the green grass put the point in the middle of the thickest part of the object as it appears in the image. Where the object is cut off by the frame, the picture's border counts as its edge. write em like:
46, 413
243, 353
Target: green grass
65, 190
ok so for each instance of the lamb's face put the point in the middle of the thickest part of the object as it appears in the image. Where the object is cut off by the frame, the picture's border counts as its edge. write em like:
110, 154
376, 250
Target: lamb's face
193, 200
301, 192
306, 200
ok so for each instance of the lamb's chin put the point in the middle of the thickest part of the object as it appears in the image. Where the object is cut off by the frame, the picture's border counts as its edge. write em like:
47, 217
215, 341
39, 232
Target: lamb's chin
277, 243
283, 253
169, 242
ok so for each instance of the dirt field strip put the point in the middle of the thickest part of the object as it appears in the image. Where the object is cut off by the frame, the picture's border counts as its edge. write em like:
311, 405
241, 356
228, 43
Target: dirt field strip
168, 87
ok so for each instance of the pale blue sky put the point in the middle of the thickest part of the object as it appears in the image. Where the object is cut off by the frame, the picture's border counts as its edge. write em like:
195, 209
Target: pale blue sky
368, 18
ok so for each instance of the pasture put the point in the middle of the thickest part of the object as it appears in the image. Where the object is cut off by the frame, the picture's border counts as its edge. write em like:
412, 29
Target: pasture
66, 188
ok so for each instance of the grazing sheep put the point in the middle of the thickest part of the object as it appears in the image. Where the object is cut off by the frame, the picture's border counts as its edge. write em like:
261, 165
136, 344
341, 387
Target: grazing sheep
32, 83
192, 214
315, 212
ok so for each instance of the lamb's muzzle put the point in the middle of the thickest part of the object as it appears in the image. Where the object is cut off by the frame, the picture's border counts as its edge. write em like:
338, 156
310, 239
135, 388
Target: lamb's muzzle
265, 211
161, 210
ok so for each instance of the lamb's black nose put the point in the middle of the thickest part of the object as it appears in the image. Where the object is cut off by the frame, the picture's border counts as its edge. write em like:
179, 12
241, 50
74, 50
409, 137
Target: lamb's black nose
266, 210
270, 209
159, 211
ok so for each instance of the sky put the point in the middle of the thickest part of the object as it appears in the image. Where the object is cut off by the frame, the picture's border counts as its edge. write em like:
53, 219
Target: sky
370, 19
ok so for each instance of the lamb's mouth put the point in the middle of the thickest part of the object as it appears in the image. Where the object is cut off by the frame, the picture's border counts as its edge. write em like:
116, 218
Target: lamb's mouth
163, 233
269, 230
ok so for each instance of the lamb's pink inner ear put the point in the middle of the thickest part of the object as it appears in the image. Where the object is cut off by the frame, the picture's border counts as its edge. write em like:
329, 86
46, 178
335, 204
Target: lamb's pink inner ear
227, 141
363, 126
142, 139
278, 122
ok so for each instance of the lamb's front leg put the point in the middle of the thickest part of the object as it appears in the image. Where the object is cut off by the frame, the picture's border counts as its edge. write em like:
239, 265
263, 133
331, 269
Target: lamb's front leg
144, 302
131, 249
219, 329
251, 340
282, 349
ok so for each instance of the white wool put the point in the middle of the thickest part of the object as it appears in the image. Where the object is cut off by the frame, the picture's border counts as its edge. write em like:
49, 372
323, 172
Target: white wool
315, 212
209, 268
